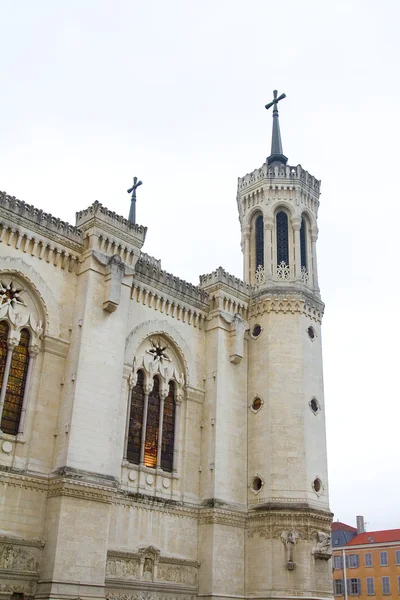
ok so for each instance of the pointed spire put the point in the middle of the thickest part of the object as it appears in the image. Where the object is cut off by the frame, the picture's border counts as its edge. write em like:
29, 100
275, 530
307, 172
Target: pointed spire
277, 155
132, 211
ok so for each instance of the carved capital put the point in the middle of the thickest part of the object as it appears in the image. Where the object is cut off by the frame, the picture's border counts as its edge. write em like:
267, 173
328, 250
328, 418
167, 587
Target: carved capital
268, 223
296, 223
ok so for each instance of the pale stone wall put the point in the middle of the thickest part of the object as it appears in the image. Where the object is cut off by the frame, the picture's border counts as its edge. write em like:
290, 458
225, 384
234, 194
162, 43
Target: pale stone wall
97, 525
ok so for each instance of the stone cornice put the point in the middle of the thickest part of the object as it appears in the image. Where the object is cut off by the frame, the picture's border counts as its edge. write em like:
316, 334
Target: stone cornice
17, 541
222, 516
74, 489
286, 300
171, 560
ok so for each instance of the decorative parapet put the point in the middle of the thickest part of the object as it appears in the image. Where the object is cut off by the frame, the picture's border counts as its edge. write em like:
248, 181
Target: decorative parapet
270, 184
37, 232
97, 215
152, 273
40, 218
221, 276
279, 172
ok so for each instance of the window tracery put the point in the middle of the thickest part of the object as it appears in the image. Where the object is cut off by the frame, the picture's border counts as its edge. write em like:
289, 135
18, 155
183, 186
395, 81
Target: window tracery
152, 425
16, 386
282, 238
136, 420
259, 241
303, 245
21, 330
167, 446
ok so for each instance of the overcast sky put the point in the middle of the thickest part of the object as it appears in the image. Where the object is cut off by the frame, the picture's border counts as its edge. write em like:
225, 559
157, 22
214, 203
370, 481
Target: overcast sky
94, 92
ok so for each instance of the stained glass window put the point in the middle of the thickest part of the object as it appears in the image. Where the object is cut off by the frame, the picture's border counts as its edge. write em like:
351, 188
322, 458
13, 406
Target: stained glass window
259, 241
3, 349
16, 386
136, 420
282, 240
153, 418
303, 247
167, 448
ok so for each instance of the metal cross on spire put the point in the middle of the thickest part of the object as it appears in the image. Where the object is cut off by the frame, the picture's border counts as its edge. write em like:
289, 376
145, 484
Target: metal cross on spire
277, 155
132, 190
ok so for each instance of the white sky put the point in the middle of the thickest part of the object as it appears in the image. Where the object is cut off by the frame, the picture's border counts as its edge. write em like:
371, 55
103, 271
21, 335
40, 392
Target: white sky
94, 92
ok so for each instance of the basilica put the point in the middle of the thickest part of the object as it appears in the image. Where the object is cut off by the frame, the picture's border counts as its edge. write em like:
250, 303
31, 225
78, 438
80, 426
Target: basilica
161, 440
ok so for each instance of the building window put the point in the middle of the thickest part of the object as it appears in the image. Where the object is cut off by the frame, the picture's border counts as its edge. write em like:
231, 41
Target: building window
397, 557
153, 419
384, 559
303, 244
386, 586
16, 381
368, 559
167, 447
370, 586
398, 584
354, 586
338, 588
338, 562
282, 238
259, 242
352, 561
136, 420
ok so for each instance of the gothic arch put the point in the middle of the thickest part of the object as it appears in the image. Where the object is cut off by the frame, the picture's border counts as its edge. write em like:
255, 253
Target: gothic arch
40, 291
253, 213
285, 206
163, 328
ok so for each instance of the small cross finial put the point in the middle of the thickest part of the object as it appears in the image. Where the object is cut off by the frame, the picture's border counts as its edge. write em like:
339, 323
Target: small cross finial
275, 101
132, 190
277, 155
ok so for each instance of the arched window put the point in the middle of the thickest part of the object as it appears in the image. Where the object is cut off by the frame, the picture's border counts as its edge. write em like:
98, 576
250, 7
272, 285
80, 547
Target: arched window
16, 386
136, 420
167, 447
259, 241
282, 239
153, 419
303, 243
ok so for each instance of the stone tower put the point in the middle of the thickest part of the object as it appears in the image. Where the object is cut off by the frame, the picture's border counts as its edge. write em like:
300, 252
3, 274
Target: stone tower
288, 539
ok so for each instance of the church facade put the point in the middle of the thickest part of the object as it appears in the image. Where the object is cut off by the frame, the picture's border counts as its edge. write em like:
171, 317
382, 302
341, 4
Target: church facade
161, 440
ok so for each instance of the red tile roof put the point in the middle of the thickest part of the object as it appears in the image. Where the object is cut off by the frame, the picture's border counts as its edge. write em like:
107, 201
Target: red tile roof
338, 526
376, 537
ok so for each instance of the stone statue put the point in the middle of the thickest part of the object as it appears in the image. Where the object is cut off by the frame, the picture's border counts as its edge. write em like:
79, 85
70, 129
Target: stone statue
289, 539
323, 547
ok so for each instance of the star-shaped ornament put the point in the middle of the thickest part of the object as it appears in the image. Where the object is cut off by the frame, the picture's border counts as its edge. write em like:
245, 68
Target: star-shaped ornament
158, 351
10, 295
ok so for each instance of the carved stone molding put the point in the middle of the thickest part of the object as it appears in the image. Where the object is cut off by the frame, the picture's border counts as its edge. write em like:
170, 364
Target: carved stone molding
75, 489
221, 517
287, 303
270, 525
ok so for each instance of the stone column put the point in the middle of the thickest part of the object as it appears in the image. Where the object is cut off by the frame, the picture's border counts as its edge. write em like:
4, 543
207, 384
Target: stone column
33, 352
268, 226
163, 395
131, 385
246, 254
314, 237
178, 402
11, 345
296, 224
147, 390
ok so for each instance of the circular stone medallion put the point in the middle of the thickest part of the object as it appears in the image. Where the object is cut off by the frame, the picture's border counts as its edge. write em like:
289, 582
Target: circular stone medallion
6, 447
166, 483
132, 475
149, 479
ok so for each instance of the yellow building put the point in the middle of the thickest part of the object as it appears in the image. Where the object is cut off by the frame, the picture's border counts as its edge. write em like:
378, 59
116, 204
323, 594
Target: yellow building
368, 565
